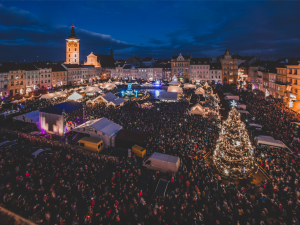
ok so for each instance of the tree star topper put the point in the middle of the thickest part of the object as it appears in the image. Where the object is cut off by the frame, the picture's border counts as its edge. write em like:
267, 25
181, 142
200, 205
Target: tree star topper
234, 104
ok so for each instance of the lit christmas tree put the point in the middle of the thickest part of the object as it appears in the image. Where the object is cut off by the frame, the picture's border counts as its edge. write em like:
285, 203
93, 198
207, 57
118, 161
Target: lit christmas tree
233, 156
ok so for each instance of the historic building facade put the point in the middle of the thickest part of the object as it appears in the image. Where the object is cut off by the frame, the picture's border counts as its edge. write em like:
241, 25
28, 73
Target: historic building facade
180, 67
229, 68
199, 70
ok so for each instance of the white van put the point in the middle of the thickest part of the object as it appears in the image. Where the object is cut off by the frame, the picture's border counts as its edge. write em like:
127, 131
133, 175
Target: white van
162, 162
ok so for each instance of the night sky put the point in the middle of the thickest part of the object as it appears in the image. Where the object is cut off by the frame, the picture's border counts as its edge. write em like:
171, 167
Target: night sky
147, 28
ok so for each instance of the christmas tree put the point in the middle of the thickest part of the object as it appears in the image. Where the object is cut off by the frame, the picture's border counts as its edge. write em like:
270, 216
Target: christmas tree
233, 156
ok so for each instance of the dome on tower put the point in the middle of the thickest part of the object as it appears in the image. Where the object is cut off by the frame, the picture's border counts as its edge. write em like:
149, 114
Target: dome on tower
73, 33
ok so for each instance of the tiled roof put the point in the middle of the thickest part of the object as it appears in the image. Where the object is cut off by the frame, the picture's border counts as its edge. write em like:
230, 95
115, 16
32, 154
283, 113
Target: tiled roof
72, 66
127, 67
200, 61
215, 66
58, 67
106, 60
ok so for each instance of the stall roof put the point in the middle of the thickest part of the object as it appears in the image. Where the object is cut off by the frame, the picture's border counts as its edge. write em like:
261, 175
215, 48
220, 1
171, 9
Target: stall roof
243, 111
268, 140
59, 108
75, 96
118, 101
103, 125
165, 95
109, 97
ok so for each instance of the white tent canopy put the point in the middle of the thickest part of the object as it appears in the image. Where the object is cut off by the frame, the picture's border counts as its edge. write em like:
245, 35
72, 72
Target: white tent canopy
103, 129
187, 86
197, 109
147, 85
243, 111
174, 81
268, 140
109, 86
31, 117
48, 96
60, 93
117, 102
175, 89
200, 91
168, 96
206, 85
92, 89
75, 96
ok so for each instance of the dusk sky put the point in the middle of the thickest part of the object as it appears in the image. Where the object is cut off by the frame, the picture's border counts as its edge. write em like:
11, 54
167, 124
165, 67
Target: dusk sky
148, 28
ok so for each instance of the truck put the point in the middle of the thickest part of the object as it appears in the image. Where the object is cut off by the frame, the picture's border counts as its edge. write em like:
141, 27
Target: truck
139, 151
162, 162
91, 144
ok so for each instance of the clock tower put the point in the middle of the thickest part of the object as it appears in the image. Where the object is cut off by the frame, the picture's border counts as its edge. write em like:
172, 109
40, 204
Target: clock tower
72, 48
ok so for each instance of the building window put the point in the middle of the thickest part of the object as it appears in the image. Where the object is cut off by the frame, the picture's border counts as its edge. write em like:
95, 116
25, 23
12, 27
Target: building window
53, 74
75, 60
12, 83
42, 76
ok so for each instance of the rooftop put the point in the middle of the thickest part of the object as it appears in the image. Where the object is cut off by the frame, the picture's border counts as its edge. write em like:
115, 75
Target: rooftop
66, 107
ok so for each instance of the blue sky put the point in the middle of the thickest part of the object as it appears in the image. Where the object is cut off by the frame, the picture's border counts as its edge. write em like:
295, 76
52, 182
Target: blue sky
149, 28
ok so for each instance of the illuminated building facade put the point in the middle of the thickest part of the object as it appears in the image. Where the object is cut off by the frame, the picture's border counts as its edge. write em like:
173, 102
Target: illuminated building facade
72, 48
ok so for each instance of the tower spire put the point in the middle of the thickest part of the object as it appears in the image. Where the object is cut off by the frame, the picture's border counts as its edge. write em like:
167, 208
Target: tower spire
111, 52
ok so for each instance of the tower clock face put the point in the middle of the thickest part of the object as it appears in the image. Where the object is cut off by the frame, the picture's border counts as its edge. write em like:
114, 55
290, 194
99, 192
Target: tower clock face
69, 44
75, 45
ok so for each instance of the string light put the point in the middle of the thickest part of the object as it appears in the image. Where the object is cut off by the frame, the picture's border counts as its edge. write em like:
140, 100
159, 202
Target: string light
233, 153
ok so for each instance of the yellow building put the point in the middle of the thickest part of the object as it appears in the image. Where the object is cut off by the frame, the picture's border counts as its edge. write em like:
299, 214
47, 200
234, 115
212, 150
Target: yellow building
72, 48
16, 84
293, 82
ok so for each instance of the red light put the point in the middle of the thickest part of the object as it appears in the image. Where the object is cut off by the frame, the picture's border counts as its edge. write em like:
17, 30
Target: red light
88, 217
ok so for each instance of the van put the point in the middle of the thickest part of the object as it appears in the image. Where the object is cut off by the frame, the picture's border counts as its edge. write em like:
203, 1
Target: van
139, 151
91, 144
162, 162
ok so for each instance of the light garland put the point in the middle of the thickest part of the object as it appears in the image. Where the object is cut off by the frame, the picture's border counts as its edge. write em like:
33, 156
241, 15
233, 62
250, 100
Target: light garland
233, 153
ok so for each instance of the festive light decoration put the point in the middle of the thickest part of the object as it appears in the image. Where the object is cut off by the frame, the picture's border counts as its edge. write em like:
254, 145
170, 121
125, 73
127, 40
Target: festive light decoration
233, 104
233, 156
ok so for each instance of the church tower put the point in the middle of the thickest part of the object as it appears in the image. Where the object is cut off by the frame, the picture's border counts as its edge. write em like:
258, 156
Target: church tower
111, 52
72, 48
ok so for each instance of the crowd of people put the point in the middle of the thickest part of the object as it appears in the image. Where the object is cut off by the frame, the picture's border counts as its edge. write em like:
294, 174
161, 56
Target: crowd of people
75, 187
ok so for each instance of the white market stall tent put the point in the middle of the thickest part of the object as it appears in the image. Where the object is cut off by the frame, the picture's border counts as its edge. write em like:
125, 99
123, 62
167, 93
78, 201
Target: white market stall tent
168, 96
270, 141
61, 93
175, 89
103, 129
75, 96
31, 117
187, 86
197, 109
147, 85
243, 111
200, 91
116, 102
174, 81
109, 86
206, 85
92, 90
48, 96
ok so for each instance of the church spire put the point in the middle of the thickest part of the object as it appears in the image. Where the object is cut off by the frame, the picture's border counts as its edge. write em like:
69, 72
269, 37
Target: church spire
111, 52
